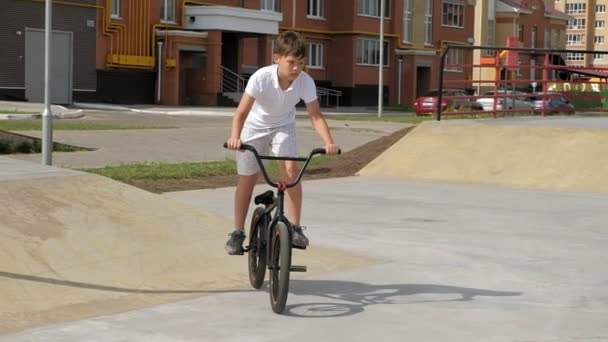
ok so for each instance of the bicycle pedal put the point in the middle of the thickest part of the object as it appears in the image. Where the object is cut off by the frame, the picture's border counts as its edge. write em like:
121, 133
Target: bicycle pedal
294, 268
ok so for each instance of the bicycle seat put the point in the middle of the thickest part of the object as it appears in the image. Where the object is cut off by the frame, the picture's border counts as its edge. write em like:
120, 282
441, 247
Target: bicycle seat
266, 198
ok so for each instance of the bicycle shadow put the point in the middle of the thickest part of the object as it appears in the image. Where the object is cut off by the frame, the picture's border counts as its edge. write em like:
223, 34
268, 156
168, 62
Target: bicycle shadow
349, 298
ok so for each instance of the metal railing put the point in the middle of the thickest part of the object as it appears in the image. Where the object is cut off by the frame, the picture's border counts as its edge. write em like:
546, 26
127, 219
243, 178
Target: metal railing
327, 93
231, 82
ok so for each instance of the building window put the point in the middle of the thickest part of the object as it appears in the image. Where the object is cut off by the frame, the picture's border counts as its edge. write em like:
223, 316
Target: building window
575, 56
491, 38
575, 39
372, 8
576, 24
316, 8
368, 51
167, 10
600, 8
452, 14
407, 21
577, 7
454, 60
315, 55
598, 56
600, 24
598, 39
428, 22
271, 5
115, 8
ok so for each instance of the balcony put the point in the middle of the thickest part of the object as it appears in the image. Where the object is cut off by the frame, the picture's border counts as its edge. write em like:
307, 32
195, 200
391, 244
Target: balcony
203, 18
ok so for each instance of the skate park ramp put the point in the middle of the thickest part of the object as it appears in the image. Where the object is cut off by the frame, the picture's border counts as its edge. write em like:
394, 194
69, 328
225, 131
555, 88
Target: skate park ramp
75, 245
555, 154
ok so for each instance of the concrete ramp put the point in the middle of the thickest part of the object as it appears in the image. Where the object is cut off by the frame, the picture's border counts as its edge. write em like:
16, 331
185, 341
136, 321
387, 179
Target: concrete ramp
75, 245
555, 158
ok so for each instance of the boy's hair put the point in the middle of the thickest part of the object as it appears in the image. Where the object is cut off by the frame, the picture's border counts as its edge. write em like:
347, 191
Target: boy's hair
290, 43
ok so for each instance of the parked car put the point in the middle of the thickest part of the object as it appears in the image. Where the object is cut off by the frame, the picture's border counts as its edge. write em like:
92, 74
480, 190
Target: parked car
554, 103
506, 100
427, 104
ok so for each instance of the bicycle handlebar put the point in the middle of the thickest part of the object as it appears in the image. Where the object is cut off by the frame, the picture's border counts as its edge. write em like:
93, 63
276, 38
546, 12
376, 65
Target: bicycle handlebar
259, 159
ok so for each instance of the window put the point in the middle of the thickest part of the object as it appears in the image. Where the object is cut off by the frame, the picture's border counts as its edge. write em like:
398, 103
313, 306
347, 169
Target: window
454, 56
520, 32
575, 39
372, 8
167, 10
315, 55
368, 51
576, 24
115, 8
428, 22
407, 21
575, 56
598, 39
452, 14
577, 7
271, 5
316, 8
600, 24
600, 8
598, 56
490, 38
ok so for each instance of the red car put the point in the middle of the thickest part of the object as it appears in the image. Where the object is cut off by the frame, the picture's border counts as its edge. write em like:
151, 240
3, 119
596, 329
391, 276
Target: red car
427, 104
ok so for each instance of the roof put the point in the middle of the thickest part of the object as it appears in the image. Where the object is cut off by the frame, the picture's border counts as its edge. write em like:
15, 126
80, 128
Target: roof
587, 72
552, 12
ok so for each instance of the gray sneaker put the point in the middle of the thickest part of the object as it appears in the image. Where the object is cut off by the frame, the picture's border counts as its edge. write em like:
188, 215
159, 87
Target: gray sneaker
234, 246
298, 238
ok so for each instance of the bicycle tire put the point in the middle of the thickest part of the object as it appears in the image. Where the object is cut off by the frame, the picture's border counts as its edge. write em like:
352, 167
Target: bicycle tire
257, 252
281, 262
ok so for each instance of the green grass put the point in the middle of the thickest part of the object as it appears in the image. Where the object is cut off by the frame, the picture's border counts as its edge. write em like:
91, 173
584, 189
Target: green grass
35, 125
385, 118
8, 111
157, 171
166, 170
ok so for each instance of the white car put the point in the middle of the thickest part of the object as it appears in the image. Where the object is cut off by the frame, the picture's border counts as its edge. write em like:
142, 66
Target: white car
505, 100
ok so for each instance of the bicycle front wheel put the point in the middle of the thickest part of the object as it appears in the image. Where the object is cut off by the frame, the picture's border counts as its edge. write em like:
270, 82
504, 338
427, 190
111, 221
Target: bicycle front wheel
281, 265
257, 251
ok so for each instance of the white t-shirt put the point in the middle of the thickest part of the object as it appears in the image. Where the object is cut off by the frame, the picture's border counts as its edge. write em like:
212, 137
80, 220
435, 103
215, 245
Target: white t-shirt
273, 106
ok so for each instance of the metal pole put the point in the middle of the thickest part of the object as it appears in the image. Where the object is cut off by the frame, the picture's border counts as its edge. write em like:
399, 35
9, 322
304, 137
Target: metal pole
399, 85
47, 116
381, 62
160, 70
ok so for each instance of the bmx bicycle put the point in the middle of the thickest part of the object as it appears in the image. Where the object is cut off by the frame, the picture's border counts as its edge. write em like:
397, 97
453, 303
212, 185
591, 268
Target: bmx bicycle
270, 236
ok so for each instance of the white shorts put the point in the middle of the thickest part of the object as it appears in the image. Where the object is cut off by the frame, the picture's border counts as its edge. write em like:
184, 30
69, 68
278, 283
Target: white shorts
278, 141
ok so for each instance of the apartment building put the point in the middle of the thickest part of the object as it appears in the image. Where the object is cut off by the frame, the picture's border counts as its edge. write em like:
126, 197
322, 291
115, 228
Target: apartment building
190, 52
533, 23
586, 31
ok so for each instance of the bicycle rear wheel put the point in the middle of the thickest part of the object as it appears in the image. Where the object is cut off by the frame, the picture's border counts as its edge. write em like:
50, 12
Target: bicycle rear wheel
281, 264
257, 251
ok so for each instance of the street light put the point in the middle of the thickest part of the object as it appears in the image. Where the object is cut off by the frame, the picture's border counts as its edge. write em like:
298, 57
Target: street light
514, 18
381, 62
47, 116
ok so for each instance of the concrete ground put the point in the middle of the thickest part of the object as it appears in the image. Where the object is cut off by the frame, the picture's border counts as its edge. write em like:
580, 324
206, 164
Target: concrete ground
393, 258
191, 138
463, 263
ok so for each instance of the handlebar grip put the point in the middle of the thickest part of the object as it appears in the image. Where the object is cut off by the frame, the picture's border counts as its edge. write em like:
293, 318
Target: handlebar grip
322, 151
243, 147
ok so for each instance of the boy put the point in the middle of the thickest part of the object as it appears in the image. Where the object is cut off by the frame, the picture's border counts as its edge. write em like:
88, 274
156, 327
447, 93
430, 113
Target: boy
266, 119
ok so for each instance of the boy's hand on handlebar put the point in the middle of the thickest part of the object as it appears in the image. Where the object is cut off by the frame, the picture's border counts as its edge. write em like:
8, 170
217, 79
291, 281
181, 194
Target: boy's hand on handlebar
233, 143
331, 149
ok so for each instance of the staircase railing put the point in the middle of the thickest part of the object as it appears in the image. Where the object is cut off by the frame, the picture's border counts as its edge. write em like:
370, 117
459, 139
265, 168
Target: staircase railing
231, 82
327, 93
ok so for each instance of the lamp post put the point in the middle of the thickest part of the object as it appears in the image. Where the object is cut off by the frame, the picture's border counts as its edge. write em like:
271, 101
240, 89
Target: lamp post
47, 116
514, 18
381, 62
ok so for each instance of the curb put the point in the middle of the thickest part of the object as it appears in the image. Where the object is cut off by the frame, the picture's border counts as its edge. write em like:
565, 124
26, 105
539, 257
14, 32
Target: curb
67, 115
